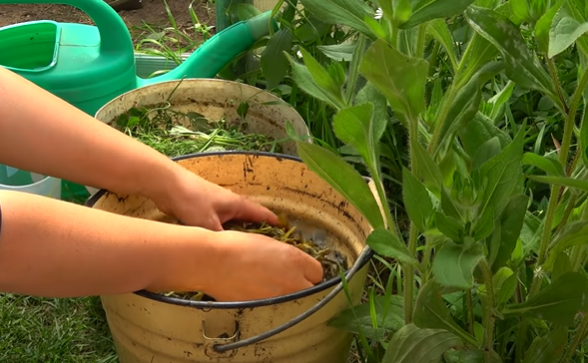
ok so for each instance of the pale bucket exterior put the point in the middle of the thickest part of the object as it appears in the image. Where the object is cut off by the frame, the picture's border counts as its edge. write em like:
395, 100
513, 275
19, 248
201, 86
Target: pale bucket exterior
149, 328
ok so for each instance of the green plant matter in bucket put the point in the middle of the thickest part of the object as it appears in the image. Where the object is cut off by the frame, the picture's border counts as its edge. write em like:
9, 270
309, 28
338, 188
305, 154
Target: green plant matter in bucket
302, 235
175, 133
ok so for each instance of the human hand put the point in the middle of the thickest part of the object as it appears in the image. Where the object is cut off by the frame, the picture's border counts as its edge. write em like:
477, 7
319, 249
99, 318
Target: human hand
252, 267
198, 202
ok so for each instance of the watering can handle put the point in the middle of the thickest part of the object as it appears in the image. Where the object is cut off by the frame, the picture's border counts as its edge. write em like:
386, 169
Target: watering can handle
114, 34
365, 254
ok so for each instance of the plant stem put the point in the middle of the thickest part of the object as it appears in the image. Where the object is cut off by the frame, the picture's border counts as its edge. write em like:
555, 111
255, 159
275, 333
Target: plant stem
520, 342
470, 311
560, 97
571, 118
426, 259
489, 330
409, 275
578, 338
354, 68
420, 47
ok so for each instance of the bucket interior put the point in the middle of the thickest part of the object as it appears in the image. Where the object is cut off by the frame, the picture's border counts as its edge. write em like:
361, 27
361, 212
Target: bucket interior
282, 183
29, 47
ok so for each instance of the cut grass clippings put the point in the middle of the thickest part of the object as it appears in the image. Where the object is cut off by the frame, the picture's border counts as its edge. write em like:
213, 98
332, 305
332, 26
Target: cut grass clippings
36, 330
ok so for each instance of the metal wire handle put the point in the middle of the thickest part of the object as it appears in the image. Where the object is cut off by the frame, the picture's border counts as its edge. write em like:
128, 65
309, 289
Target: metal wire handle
255, 339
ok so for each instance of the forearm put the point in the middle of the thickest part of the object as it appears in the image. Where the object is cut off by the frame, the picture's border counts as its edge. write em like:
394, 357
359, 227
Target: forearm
40, 132
58, 249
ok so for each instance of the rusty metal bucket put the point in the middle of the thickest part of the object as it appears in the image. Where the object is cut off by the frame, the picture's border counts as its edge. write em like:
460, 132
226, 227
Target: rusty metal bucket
153, 328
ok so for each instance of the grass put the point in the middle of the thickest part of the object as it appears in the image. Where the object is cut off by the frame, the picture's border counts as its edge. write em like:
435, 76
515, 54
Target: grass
54, 331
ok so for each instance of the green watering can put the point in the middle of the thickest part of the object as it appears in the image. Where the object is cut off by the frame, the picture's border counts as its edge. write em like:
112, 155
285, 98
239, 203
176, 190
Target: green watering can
88, 66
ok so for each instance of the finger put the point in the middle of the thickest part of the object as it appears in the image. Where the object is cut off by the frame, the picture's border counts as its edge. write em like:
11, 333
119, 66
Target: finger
314, 271
255, 212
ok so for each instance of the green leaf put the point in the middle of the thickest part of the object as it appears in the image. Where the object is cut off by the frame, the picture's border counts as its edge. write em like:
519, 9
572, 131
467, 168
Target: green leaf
426, 168
511, 224
498, 101
557, 303
520, 10
386, 244
322, 77
274, 63
584, 136
484, 225
502, 174
487, 151
561, 266
561, 181
431, 312
354, 126
309, 84
469, 356
413, 345
478, 130
402, 81
338, 52
416, 200
522, 66
572, 234
388, 310
440, 31
453, 265
565, 30
448, 206
543, 27
343, 178
504, 282
547, 348
369, 93
341, 12
436, 9
450, 227
551, 166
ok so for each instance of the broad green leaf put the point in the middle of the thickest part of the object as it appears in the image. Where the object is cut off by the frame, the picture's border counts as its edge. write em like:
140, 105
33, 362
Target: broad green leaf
478, 130
308, 84
547, 348
450, 227
498, 102
386, 244
359, 317
338, 52
397, 11
321, 76
561, 181
312, 29
561, 266
440, 31
354, 126
504, 282
564, 32
484, 225
431, 312
369, 93
343, 178
522, 66
416, 200
543, 27
502, 174
413, 345
487, 151
511, 224
572, 234
551, 166
436, 9
466, 103
447, 205
481, 52
341, 12
576, 10
453, 265
520, 10
584, 136
469, 356
557, 303
274, 63
426, 168
401, 81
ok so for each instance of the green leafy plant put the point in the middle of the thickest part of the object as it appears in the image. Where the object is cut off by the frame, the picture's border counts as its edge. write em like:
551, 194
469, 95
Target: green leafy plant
491, 267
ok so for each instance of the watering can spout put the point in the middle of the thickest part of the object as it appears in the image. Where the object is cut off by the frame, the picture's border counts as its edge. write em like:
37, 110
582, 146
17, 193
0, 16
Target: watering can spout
212, 56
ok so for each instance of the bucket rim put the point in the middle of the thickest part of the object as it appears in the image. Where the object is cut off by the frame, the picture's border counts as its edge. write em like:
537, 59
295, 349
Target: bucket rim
237, 304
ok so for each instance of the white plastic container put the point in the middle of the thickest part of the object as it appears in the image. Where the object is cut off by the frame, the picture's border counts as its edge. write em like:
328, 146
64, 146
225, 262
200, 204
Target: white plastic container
22, 181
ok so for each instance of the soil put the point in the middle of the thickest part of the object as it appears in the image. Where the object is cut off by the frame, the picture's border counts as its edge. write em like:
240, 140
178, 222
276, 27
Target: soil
153, 13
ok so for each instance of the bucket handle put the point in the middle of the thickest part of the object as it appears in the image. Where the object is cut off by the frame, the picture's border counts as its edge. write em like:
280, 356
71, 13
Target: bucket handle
221, 348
